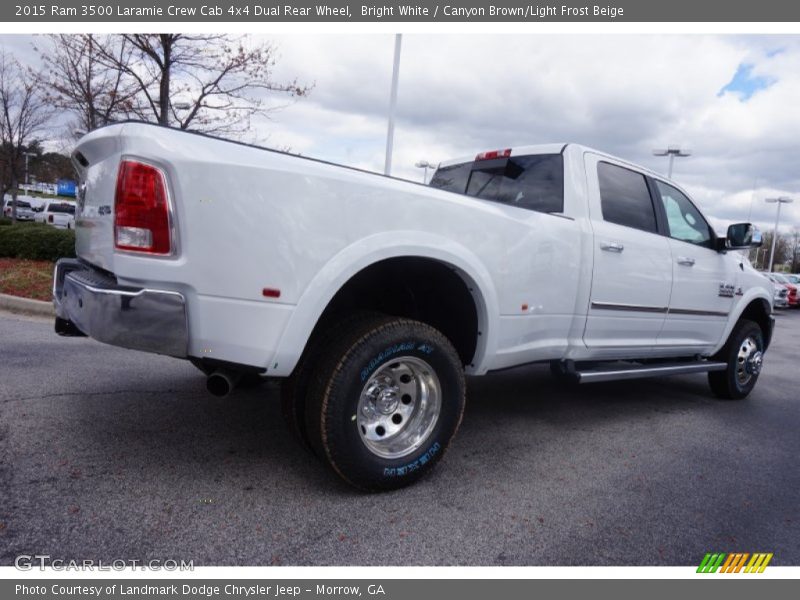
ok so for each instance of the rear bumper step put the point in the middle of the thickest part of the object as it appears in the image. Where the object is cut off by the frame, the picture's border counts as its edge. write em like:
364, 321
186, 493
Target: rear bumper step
618, 372
90, 302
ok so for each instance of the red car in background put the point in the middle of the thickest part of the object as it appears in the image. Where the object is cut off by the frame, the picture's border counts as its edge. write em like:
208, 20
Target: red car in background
793, 296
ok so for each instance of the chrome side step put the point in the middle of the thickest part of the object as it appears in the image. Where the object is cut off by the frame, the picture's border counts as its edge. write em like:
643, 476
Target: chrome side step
633, 371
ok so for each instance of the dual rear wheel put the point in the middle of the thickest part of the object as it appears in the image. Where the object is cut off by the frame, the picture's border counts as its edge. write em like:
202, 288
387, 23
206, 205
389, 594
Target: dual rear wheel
377, 398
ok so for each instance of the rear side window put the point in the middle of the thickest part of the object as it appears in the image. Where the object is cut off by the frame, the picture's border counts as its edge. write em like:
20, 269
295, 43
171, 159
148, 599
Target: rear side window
625, 198
452, 179
534, 182
61, 208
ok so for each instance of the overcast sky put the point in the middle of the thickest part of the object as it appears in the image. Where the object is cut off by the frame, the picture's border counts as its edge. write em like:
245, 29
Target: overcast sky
734, 101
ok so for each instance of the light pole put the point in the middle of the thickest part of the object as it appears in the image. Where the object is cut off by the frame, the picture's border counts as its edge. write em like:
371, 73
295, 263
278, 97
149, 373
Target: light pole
387, 165
424, 164
672, 152
27, 155
778, 201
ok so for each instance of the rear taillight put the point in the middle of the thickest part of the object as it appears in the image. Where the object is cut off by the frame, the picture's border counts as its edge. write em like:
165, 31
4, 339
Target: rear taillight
141, 209
49, 218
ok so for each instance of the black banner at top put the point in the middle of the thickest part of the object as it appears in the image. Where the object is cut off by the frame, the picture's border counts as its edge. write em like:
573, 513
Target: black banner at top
215, 11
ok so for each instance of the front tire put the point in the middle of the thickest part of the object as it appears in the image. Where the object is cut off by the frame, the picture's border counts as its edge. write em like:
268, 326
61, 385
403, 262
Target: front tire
385, 402
744, 354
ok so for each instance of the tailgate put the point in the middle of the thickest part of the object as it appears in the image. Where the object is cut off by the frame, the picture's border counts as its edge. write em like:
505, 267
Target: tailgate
96, 159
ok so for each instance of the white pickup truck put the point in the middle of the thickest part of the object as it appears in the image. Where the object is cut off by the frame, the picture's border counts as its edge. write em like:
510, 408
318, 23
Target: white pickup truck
57, 213
373, 296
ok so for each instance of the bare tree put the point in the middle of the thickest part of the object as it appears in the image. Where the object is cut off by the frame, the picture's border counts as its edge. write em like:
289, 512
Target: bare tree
79, 82
211, 83
24, 112
795, 250
783, 251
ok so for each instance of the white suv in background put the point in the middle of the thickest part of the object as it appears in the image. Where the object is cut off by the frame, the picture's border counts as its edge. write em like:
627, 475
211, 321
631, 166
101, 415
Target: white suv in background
58, 213
25, 211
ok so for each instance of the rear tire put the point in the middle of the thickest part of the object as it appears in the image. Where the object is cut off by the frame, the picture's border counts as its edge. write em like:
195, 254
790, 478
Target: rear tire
294, 389
743, 352
385, 402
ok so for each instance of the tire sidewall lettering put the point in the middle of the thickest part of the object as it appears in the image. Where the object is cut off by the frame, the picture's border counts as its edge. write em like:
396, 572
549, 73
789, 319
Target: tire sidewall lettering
383, 356
412, 466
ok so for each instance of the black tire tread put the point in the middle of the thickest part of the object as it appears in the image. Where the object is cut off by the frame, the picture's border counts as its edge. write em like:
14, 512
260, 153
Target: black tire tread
325, 381
721, 382
294, 389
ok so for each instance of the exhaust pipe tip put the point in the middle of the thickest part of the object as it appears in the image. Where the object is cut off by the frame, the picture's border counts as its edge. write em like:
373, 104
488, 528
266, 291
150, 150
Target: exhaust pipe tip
221, 383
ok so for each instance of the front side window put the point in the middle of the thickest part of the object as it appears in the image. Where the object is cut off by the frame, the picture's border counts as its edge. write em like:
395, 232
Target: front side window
684, 221
625, 198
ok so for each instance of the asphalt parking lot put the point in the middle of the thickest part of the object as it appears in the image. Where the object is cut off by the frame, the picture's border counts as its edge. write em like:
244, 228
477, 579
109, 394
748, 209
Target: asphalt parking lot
113, 454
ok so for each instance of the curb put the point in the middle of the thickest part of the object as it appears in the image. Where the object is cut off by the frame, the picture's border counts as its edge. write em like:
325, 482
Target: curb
26, 306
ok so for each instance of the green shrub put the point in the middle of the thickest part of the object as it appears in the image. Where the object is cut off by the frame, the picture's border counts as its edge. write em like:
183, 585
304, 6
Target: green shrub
8, 221
36, 242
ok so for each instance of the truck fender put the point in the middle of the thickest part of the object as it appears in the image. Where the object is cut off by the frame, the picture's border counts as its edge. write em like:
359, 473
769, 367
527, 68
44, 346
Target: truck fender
736, 314
367, 251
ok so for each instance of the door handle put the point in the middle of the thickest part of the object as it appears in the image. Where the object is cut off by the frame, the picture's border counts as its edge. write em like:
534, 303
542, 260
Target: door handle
612, 246
685, 261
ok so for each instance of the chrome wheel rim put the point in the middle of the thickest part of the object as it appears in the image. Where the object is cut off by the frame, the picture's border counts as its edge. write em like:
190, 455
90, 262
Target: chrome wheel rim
399, 407
748, 361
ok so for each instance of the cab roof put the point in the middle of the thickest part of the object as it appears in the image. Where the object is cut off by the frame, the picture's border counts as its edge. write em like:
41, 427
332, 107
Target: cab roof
551, 148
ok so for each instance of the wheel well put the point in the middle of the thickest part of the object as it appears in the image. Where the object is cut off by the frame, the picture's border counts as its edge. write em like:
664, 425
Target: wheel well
759, 312
417, 288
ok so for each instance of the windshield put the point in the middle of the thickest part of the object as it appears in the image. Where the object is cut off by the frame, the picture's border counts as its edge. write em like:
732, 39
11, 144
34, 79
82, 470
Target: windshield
534, 182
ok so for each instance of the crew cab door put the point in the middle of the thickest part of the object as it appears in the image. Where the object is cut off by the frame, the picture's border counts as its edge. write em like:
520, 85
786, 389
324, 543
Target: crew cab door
632, 272
704, 282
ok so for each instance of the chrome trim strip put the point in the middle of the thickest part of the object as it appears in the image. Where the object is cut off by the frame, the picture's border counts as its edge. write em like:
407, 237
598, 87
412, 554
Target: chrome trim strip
641, 372
628, 307
656, 309
703, 313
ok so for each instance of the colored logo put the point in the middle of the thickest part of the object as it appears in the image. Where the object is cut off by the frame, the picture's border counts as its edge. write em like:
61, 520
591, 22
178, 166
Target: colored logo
735, 562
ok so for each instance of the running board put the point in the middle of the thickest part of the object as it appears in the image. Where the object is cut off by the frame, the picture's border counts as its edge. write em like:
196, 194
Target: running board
652, 370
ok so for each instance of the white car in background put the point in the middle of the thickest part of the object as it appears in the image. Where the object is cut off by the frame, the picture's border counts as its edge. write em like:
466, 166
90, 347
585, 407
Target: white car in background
58, 213
37, 204
25, 211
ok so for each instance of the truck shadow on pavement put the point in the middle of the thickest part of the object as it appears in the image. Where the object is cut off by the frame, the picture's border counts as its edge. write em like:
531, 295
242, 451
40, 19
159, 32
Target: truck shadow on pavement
184, 429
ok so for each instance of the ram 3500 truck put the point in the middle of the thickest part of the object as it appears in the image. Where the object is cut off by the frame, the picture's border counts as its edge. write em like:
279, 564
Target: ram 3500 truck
373, 296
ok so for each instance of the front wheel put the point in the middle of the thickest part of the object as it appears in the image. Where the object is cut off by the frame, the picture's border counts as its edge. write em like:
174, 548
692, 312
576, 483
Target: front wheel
744, 354
385, 402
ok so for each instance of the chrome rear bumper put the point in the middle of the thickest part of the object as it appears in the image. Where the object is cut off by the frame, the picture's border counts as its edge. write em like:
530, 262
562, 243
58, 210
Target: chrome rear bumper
90, 302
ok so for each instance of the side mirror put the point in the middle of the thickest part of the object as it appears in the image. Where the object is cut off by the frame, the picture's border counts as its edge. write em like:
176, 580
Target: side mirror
742, 236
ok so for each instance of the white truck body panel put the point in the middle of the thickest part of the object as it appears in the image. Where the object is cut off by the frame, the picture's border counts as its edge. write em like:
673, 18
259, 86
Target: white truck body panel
246, 219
